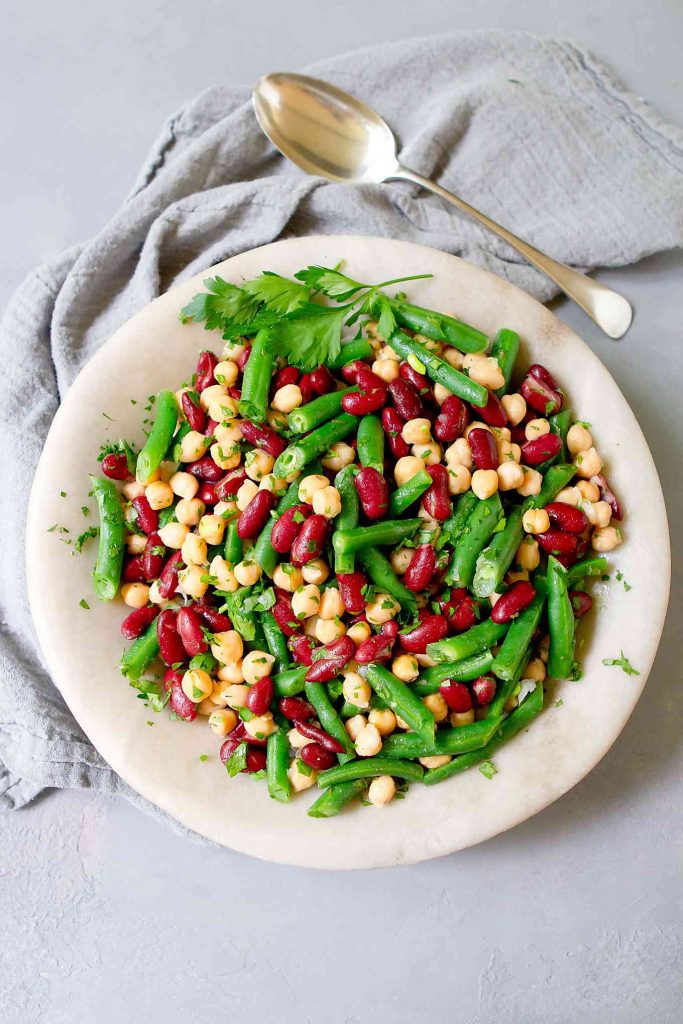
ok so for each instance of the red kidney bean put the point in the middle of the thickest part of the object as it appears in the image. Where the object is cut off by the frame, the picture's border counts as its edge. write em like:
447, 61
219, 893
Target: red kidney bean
350, 371
493, 412
393, 425
581, 603
361, 403
216, 621
540, 397
306, 388
168, 580
310, 540
287, 375
286, 528
513, 601
430, 629
206, 365
406, 399
206, 469
461, 614
181, 704
134, 570
147, 517
437, 500
557, 542
315, 756
283, 614
207, 493
335, 658
539, 371
456, 695
517, 434
484, 689
608, 495
171, 676
452, 421
256, 761
170, 644
115, 466
367, 380
230, 484
539, 449
421, 568
389, 629
419, 380
229, 746
153, 556
194, 414
138, 621
351, 586
301, 647
263, 437
260, 695
235, 392
322, 381
373, 492
483, 446
210, 428
190, 631
314, 732
566, 517
375, 648
296, 709
243, 358
256, 515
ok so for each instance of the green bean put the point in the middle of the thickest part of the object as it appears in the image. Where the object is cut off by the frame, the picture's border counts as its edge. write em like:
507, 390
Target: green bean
513, 649
402, 701
348, 517
472, 641
439, 370
160, 437
370, 441
460, 740
378, 568
560, 622
439, 326
277, 763
258, 642
305, 449
557, 477
141, 653
290, 682
263, 552
233, 545
276, 641
560, 424
407, 493
331, 800
453, 529
107, 572
253, 403
359, 348
504, 690
495, 560
479, 528
370, 767
329, 719
505, 350
175, 451
464, 671
388, 532
518, 720
320, 410
589, 567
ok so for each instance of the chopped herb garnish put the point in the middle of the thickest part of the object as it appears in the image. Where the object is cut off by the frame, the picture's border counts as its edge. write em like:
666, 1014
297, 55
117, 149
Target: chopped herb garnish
84, 604
623, 663
488, 769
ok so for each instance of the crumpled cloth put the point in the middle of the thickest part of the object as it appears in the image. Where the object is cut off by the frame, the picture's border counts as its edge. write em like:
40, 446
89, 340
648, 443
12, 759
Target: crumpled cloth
534, 132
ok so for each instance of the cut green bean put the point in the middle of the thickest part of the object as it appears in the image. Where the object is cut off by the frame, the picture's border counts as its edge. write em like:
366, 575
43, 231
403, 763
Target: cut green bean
464, 671
387, 533
344, 562
332, 799
160, 437
263, 552
175, 451
495, 560
560, 622
370, 443
379, 569
329, 719
505, 350
439, 326
513, 649
141, 653
454, 527
232, 548
464, 645
276, 641
479, 529
588, 567
107, 572
402, 701
319, 411
557, 477
459, 740
359, 348
290, 682
505, 688
277, 763
253, 403
439, 370
560, 424
370, 767
404, 496
305, 449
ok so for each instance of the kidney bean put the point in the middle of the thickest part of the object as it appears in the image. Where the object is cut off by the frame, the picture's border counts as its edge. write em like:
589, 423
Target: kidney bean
296, 709
194, 414
539, 449
557, 542
430, 629
484, 689
419, 381
134, 570
566, 517
461, 614
170, 644
230, 484
452, 421
581, 603
393, 425
153, 556
171, 676
115, 466
315, 755
437, 500
373, 492
215, 620
243, 358
375, 648
306, 388
256, 761
517, 435
206, 469
361, 403
147, 517
456, 695
168, 580
190, 631
540, 397
204, 377
310, 541
235, 392
406, 399
229, 746
493, 412
181, 704
350, 371
483, 446
287, 375
608, 495
283, 614
260, 696
314, 732
263, 437
513, 601
286, 529
367, 380
207, 493
421, 568
351, 586
138, 621
322, 381
335, 658
539, 371
301, 647
255, 515
210, 428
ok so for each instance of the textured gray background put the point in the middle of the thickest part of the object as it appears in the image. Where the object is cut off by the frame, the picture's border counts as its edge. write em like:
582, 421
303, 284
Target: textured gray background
106, 915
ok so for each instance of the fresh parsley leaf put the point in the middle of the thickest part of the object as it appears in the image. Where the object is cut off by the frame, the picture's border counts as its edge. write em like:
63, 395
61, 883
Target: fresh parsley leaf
151, 691
237, 761
622, 662
309, 336
82, 539
488, 769
278, 293
205, 661
84, 604
220, 304
203, 757
386, 321
330, 281
559, 703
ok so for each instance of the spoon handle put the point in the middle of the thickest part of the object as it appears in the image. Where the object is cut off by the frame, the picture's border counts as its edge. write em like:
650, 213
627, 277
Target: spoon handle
607, 308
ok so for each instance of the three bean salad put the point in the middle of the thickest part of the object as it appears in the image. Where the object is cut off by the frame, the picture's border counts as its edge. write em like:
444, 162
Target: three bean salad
354, 543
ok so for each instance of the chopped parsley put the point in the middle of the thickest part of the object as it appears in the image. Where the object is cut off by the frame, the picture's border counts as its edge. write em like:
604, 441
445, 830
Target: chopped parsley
488, 769
623, 663
627, 586
84, 604
84, 537
203, 757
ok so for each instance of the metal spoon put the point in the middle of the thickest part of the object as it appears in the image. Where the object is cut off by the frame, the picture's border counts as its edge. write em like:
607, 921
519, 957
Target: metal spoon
329, 133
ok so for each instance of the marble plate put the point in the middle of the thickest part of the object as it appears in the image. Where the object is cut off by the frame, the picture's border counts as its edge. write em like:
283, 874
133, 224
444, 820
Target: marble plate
82, 648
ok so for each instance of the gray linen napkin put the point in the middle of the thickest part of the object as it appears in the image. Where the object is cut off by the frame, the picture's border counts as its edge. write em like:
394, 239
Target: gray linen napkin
532, 131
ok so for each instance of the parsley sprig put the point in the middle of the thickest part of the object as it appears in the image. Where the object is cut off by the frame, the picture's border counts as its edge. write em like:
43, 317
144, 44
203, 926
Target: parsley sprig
622, 662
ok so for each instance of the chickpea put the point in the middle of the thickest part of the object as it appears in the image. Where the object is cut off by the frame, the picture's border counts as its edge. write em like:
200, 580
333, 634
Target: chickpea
355, 725
515, 408
356, 690
535, 520
532, 482
400, 560
457, 718
402, 725
570, 496
193, 446
528, 555
327, 502
226, 457
192, 582
536, 428
256, 665
579, 439
435, 703
309, 485
535, 670
226, 373
135, 595
459, 454
194, 550
453, 357
228, 433
189, 511
369, 741
602, 513
184, 485
505, 450
236, 695
429, 343
387, 352
435, 760
459, 479
429, 453
310, 625
227, 646
339, 456
223, 720
159, 495
331, 604
381, 790
605, 538
387, 369
316, 571
484, 483
588, 490
441, 393
135, 543
486, 371
222, 572
383, 719
306, 601
510, 476
258, 464
223, 409
260, 726
231, 673
271, 483
154, 595
359, 632
588, 463
381, 609
327, 630
211, 528
298, 779
287, 398
173, 535
405, 667
247, 572
217, 695
417, 431
210, 394
276, 420
406, 467
133, 489
296, 740
197, 684
288, 577
232, 350
514, 577
246, 493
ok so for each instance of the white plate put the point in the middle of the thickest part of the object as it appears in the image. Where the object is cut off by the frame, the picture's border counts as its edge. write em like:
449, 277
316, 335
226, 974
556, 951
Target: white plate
152, 351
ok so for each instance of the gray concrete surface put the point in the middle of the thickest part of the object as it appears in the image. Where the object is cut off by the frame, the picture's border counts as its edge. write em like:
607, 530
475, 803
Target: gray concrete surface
572, 918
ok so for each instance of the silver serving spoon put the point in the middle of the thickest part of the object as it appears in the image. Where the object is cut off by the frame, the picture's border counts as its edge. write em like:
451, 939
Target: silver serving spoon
329, 133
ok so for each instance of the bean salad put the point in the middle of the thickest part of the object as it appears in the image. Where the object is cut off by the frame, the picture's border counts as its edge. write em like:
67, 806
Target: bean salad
355, 542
